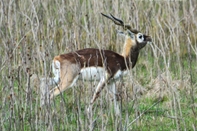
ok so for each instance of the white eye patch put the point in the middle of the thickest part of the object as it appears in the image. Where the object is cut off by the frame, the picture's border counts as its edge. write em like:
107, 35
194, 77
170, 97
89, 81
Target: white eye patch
140, 37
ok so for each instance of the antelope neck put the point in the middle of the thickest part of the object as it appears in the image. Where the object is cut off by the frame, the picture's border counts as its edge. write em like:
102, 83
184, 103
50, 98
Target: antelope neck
133, 56
130, 51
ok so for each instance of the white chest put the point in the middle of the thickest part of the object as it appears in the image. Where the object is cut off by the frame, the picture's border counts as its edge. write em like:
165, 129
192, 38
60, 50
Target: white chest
96, 73
92, 73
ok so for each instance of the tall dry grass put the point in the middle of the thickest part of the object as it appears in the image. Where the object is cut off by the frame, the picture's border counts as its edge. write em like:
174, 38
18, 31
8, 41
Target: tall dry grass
160, 93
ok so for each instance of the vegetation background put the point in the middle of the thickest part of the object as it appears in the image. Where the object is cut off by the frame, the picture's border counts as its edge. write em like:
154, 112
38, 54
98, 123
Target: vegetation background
160, 93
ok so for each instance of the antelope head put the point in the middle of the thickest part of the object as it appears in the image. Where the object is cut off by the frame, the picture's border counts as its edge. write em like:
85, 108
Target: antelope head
134, 39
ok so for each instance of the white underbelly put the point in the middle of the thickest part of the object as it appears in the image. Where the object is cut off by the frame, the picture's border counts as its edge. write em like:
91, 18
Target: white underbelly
92, 73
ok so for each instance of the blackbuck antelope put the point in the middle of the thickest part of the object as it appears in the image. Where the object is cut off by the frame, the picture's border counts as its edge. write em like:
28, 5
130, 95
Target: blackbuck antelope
103, 65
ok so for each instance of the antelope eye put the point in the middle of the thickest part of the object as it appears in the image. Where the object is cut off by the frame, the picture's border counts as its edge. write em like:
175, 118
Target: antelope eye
140, 36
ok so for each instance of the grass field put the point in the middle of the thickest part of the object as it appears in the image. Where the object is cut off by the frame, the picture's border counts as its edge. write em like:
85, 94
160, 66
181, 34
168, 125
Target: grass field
159, 94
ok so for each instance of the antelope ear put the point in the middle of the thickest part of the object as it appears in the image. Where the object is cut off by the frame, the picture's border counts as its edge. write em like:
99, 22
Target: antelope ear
131, 34
119, 32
